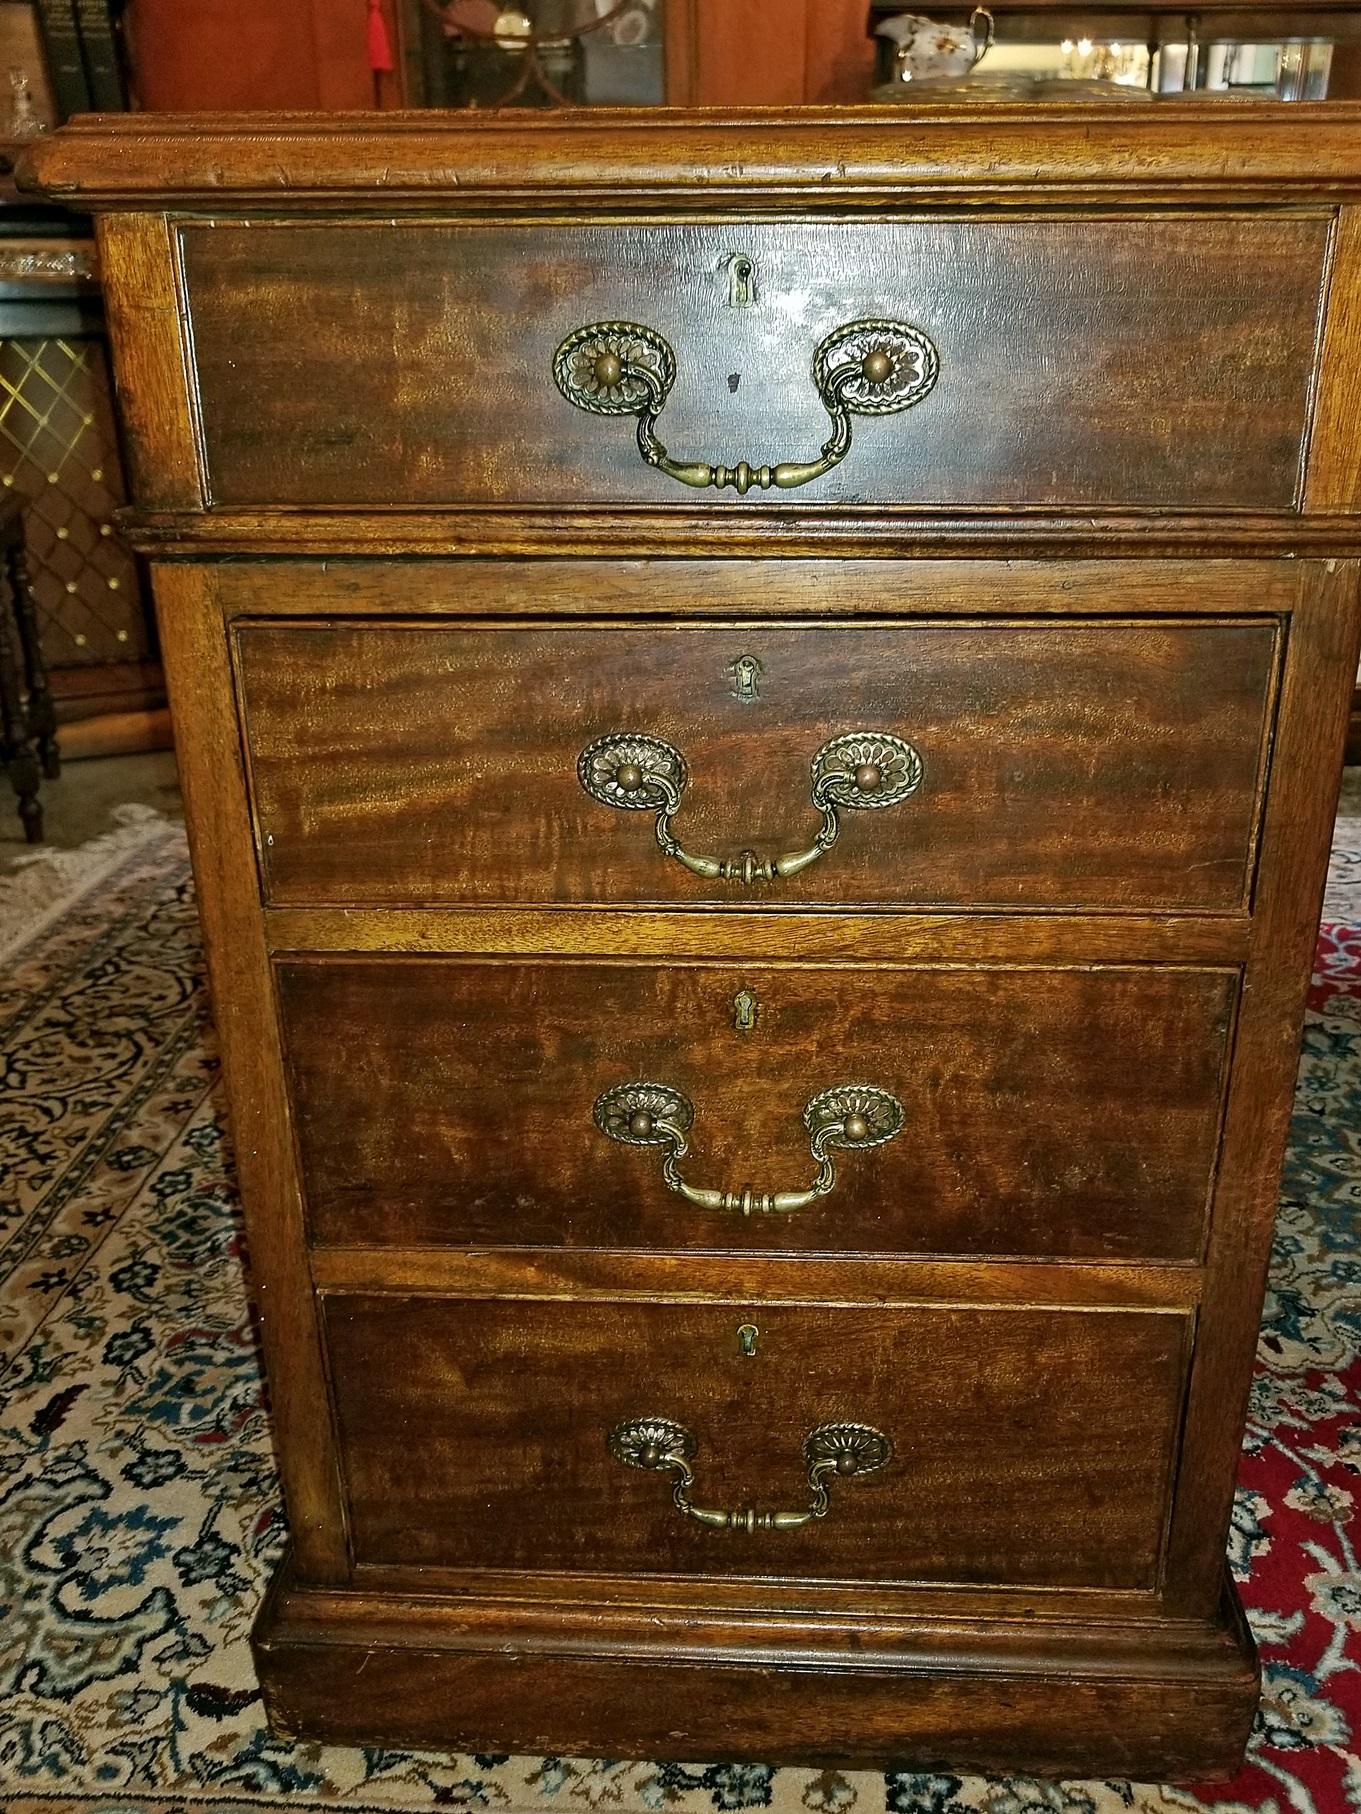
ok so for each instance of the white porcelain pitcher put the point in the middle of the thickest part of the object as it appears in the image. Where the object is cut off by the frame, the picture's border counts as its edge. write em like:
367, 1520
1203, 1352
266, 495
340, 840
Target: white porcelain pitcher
927, 51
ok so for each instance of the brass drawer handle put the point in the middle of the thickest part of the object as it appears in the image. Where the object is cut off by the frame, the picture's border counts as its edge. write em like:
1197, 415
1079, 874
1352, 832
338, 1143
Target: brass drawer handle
849, 1117
663, 1446
866, 368
638, 773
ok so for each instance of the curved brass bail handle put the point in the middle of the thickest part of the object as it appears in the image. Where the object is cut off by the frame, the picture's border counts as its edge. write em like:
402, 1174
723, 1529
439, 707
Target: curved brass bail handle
849, 1117
785, 475
833, 1451
638, 773
870, 367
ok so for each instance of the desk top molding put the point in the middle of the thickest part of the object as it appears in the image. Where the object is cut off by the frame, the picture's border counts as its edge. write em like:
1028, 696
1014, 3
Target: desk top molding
709, 161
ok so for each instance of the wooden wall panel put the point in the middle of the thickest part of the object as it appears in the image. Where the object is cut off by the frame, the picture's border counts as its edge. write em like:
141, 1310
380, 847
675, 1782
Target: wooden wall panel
768, 53
838, 57
192, 55
749, 52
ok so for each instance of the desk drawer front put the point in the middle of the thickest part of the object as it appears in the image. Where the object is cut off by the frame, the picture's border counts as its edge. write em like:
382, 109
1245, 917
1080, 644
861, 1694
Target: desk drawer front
1027, 1446
1158, 362
1085, 765
1065, 1112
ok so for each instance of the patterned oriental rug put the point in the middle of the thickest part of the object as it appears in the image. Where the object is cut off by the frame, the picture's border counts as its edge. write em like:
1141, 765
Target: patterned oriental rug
138, 1511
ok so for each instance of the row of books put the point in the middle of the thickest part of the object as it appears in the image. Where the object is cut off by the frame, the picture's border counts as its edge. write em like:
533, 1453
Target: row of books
84, 49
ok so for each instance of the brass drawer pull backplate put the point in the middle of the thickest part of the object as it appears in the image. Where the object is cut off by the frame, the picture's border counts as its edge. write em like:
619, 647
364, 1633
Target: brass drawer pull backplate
865, 368
859, 769
849, 1117
834, 1450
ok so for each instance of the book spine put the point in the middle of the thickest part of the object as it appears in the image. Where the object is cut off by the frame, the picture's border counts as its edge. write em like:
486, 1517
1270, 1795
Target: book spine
99, 49
65, 65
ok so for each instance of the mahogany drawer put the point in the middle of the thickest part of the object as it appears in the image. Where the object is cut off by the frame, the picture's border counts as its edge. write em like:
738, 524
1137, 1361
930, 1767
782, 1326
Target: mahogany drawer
1089, 362
1022, 1111
1028, 1446
1061, 763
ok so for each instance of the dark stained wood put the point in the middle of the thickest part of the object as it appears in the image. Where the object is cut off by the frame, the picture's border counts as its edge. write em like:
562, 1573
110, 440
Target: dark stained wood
1047, 1112
741, 588
426, 373
1306, 767
809, 1278
976, 938
195, 653
800, 531
1066, 765
1032, 1447
459, 1700
1106, 575
1140, 1700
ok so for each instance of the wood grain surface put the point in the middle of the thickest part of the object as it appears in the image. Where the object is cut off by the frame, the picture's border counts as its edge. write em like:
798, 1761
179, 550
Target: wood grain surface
1307, 768
1000, 936
792, 531
425, 374
1047, 1111
1333, 478
1066, 765
139, 265
1140, 1699
212, 776
810, 1277
1030, 1446
642, 589
716, 162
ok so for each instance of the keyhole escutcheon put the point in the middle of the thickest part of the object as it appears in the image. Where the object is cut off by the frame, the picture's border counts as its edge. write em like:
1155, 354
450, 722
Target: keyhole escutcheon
746, 674
741, 281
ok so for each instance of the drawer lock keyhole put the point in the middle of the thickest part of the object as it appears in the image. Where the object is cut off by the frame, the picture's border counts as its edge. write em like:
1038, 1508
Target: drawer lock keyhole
747, 1337
746, 674
741, 281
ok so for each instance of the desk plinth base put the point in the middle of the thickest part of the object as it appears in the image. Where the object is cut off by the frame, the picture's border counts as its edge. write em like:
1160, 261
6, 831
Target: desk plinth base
628, 1677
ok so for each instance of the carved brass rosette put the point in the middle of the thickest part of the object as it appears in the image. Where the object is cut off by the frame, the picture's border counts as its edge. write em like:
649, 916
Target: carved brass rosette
876, 367
854, 1115
633, 771
848, 1448
642, 1114
650, 1442
615, 368
842, 767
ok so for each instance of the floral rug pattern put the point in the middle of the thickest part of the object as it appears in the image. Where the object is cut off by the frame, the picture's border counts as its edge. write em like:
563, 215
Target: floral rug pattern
138, 1511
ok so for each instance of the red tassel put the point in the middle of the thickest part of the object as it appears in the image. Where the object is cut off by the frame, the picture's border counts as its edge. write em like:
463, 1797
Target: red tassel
380, 45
